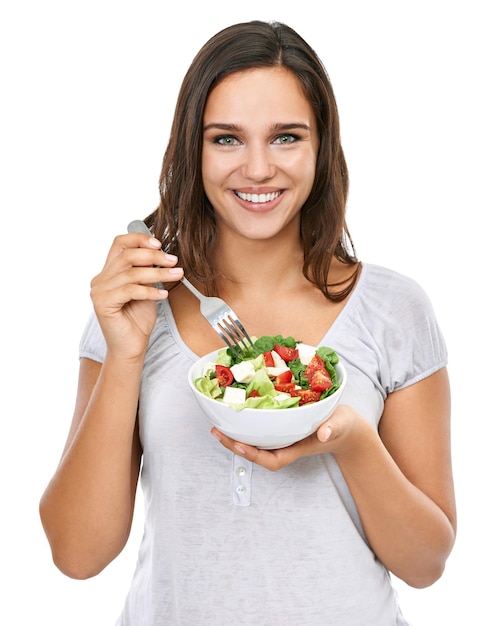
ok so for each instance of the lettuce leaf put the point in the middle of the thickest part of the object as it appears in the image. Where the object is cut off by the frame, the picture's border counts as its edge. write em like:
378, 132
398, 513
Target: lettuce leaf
262, 384
208, 386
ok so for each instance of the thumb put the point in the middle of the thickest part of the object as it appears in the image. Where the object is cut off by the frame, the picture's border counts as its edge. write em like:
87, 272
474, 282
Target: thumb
324, 432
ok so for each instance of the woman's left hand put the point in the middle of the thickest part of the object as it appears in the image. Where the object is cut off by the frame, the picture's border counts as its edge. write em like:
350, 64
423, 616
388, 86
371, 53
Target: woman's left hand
333, 436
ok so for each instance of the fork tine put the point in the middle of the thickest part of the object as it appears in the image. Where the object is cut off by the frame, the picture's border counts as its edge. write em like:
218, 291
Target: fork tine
244, 334
232, 345
230, 326
235, 330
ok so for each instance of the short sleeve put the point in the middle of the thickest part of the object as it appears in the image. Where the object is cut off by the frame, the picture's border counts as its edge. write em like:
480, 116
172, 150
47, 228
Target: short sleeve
414, 346
92, 342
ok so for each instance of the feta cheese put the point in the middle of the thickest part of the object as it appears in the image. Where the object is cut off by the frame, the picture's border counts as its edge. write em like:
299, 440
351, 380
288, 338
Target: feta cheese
243, 372
282, 396
275, 371
208, 368
306, 353
234, 395
277, 360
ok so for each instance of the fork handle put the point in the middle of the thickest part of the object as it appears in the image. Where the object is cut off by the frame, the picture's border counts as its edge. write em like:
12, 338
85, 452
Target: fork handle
193, 289
138, 226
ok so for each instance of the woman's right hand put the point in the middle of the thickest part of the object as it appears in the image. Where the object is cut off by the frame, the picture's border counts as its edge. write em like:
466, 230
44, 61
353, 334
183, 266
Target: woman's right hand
124, 292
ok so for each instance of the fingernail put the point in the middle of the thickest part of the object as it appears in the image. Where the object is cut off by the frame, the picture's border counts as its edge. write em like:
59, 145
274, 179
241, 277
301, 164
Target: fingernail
171, 257
176, 271
327, 432
154, 242
239, 449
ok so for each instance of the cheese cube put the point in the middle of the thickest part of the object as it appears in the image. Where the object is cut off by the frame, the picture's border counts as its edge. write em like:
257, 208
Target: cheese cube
306, 353
234, 395
243, 372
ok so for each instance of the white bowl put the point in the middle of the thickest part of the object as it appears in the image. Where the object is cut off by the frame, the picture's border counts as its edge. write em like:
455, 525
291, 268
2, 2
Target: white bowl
265, 428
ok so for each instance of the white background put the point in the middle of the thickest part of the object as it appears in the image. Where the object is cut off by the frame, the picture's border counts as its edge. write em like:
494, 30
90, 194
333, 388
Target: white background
88, 90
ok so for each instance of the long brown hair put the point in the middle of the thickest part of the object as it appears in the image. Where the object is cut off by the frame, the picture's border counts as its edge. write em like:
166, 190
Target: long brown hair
184, 220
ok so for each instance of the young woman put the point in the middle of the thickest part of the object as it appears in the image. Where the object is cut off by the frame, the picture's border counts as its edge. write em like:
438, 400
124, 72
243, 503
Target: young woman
253, 194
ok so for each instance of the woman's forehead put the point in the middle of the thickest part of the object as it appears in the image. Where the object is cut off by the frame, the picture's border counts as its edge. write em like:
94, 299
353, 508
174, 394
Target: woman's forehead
263, 92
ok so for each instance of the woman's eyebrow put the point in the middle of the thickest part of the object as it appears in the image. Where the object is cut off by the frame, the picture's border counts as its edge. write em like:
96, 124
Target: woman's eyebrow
274, 128
290, 126
221, 126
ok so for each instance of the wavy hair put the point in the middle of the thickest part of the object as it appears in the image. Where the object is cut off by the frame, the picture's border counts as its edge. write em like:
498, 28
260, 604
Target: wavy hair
185, 221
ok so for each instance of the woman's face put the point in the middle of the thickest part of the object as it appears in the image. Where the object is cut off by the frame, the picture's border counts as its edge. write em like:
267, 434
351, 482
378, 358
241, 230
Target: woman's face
259, 152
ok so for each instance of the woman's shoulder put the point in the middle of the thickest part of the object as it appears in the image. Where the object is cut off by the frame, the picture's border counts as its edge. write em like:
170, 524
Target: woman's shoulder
379, 275
393, 314
390, 302
382, 285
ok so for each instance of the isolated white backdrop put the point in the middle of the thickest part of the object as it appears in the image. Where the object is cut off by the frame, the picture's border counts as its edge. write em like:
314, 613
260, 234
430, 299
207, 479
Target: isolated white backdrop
88, 90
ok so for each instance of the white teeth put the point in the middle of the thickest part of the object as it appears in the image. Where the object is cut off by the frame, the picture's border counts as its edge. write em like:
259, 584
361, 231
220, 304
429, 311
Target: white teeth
258, 197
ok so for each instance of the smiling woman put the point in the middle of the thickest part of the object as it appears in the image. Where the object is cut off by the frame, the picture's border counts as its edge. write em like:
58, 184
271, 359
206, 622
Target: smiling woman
258, 167
252, 208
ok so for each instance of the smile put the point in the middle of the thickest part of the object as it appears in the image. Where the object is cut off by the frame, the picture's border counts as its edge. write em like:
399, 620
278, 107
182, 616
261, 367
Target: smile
258, 198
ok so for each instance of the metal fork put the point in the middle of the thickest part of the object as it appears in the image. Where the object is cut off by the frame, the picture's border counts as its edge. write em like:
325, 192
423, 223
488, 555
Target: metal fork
220, 315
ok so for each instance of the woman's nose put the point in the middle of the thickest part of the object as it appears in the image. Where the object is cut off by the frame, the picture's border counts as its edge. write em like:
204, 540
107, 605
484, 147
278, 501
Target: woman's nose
258, 164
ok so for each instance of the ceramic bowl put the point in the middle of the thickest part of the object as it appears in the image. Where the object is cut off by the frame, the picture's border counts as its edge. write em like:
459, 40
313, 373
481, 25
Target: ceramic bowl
265, 428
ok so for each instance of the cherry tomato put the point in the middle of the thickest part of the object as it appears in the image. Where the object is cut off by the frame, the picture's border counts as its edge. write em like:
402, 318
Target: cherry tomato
224, 375
268, 359
315, 364
286, 387
320, 380
287, 354
284, 377
308, 395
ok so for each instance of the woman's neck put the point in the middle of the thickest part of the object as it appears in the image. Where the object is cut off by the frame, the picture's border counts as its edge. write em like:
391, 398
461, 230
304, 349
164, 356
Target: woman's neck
248, 264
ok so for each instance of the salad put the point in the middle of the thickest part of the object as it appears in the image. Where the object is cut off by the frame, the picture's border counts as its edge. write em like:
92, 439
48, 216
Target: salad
278, 373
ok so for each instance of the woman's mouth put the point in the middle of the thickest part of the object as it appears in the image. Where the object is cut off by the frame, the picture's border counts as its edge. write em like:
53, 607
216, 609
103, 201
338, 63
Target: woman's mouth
258, 198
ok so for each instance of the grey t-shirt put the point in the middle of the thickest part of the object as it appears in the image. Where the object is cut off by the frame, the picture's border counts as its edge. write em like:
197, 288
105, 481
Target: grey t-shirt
227, 542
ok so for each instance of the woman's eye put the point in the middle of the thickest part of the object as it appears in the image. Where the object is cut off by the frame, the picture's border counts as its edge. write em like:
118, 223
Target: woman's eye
226, 140
285, 139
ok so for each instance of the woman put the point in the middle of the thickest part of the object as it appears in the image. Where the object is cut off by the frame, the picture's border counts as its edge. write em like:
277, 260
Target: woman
253, 194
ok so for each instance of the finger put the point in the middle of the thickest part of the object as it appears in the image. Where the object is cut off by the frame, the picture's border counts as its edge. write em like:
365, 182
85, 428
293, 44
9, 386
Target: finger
111, 280
272, 460
134, 241
324, 432
113, 300
110, 294
139, 265
145, 276
334, 425
141, 257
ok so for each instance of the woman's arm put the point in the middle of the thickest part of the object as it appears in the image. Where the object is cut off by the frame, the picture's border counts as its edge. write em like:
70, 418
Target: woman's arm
400, 479
87, 507
404, 489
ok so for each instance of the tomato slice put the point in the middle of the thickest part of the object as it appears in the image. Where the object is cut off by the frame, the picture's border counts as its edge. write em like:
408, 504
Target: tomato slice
286, 387
268, 359
320, 380
284, 377
254, 394
315, 364
308, 395
224, 375
287, 354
